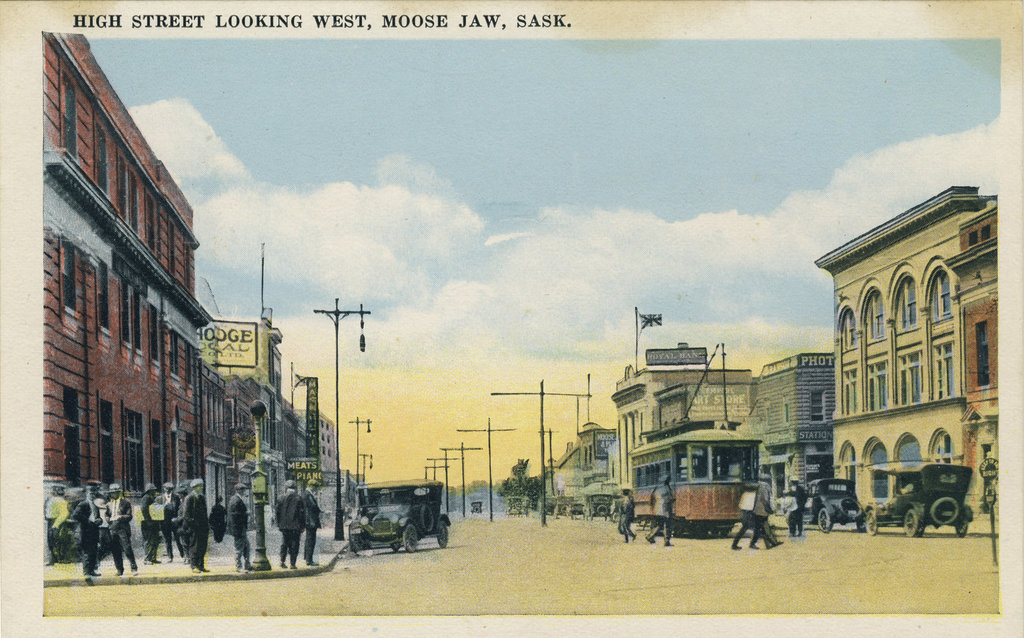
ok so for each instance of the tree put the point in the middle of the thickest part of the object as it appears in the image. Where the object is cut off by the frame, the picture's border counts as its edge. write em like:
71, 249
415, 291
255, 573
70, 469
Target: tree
520, 487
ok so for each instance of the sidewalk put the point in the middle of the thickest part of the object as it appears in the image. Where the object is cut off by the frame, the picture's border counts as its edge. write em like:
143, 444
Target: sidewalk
220, 560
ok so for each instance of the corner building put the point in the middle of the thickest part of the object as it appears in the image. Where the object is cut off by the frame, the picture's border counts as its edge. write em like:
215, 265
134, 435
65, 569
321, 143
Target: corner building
915, 356
120, 369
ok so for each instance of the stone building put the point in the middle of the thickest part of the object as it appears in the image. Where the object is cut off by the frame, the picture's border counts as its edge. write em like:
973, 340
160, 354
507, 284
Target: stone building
915, 319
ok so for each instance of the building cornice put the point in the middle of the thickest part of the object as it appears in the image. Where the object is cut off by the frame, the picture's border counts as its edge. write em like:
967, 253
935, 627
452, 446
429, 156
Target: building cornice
69, 175
960, 402
950, 201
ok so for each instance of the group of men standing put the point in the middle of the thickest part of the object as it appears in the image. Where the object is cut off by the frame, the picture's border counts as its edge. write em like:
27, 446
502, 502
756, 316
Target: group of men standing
101, 523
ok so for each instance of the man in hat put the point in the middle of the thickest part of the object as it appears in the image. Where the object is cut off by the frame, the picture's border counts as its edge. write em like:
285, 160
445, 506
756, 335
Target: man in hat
55, 513
184, 536
662, 504
196, 522
758, 517
84, 517
171, 503
627, 512
312, 510
152, 516
800, 495
120, 512
291, 518
238, 526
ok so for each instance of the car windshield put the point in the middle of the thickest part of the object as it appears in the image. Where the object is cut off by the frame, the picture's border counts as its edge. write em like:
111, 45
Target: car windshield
379, 498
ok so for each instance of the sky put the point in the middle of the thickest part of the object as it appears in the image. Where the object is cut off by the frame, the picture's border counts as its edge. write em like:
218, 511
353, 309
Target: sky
501, 207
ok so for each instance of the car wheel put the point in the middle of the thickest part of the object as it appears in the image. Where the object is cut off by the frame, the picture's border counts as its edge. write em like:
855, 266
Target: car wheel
357, 543
912, 524
442, 535
945, 511
410, 538
824, 521
961, 528
871, 522
395, 547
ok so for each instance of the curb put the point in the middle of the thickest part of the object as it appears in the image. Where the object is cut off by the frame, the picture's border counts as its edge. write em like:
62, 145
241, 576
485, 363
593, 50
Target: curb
194, 578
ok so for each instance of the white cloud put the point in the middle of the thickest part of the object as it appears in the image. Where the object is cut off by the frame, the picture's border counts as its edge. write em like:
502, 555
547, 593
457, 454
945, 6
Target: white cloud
186, 143
493, 240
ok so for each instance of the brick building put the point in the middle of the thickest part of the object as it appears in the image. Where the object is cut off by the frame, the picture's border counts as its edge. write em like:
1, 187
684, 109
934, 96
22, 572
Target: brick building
120, 313
915, 354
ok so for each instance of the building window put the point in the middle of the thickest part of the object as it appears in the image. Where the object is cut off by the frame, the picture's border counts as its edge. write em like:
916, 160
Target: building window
171, 253
875, 315
133, 203
878, 394
879, 477
72, 454
102, 178
972, 238
986, 232
906, 301
942, 450
910, 379
848, 463
785, 413
71, 412
172, 353
850, 392
126, 313
942, 307
133, 450
154, 334
848, 329
102, 296
944, 371
150, 224
70, 119
156, 459
190, 455
137, 320
69, 288
817, 406
107, 444
981, 343
122, 187
909, 452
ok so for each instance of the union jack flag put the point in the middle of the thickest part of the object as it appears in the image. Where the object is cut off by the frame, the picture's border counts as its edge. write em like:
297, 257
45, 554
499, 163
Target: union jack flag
646, 321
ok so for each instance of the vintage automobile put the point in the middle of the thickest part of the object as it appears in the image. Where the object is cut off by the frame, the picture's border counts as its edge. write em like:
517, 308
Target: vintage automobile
398, 514
834, 501
930, 495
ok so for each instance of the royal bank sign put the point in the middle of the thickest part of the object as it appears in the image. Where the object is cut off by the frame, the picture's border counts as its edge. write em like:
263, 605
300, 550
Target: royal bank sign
677, 356
229, 344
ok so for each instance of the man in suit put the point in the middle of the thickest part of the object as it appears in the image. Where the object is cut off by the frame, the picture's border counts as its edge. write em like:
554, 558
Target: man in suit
238, 526
151, 525
196, 522
662, 503
120, 514
312, 509
171, 503
758, 517
85, 517
291, 519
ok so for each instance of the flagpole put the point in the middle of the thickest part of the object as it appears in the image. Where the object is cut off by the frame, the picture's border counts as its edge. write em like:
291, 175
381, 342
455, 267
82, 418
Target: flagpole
636, 351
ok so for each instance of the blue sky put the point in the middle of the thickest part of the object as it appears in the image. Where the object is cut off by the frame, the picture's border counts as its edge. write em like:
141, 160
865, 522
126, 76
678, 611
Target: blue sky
502, 206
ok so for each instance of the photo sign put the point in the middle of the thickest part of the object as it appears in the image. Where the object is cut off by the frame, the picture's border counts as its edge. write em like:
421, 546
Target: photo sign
229, 344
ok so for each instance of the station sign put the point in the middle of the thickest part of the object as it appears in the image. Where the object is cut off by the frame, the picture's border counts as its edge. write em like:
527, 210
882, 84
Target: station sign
816, 435
230, 344
677, 356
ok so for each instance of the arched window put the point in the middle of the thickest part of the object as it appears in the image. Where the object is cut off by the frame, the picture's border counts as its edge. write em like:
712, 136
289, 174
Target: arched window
942, 447
906, 303
942, 307
848, 463
848, 329
908, 451
879, 478
874, 315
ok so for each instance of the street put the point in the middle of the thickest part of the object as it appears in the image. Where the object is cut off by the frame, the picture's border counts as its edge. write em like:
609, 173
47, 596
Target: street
514, 566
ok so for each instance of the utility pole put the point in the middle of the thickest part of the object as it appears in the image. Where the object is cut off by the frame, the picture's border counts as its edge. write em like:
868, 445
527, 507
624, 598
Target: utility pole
363, 457
725, 397
447, 496
543, 471
462, 449
490, 477
357, 423
434, 466
336, 315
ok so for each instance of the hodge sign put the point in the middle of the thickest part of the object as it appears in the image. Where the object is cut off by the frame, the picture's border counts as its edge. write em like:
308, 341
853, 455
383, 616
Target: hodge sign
229, 344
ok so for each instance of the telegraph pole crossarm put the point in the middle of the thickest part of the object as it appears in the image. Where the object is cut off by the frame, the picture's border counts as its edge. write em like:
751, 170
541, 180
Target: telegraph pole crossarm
490, 478
462, 449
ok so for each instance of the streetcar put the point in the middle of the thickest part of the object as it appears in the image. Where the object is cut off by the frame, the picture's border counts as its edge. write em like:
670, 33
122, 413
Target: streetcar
708, 469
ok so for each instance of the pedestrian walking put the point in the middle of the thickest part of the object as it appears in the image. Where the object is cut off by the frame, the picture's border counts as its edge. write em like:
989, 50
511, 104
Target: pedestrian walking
627, 512
181, 531
662, 504
85, 518
55, 514
168, 527
312, 510
104, 543
218, 519
152, 514
238, 526
120, 512
291, 519
800, 497
757, 517
196, 522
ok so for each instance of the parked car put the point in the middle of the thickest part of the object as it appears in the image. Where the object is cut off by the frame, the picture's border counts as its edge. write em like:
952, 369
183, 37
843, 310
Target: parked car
399, 514
834, 501
933, 494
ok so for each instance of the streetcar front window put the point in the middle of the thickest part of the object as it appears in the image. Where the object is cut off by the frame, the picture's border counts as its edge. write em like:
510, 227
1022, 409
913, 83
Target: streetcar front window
698, 463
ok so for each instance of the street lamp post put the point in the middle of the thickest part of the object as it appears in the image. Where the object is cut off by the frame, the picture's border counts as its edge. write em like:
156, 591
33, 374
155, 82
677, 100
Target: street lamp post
259, 488
357, 423
490, 475
336, 315
363, 458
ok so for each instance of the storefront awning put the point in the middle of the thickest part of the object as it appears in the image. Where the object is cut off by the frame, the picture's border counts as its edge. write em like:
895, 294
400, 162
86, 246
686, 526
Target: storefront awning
776, 458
